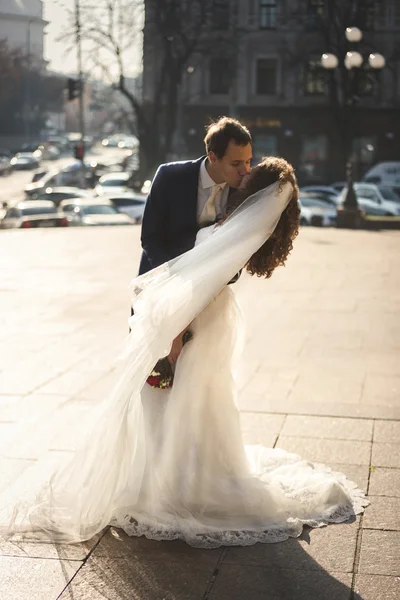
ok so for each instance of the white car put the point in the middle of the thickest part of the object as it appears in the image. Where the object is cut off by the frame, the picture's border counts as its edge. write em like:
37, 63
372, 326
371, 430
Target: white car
84, 211
386, 173
25, 160
373, 199
131, 204
317, 213
112, 184
33, 213
323, 191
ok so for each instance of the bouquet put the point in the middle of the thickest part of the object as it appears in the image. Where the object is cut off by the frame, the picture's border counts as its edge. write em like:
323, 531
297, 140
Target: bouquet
162, 375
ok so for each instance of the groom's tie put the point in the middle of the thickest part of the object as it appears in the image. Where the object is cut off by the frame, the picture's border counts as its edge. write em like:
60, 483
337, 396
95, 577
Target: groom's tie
209, 212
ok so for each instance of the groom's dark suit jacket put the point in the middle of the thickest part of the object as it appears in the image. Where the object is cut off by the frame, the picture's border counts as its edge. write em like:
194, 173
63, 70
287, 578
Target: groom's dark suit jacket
170, 225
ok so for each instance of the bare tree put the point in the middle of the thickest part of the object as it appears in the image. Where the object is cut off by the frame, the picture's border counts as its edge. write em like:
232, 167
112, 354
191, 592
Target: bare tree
111, 34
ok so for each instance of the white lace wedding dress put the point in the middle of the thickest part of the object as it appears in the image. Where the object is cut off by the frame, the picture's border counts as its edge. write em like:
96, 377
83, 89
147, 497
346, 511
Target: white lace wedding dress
171, 464
200, 483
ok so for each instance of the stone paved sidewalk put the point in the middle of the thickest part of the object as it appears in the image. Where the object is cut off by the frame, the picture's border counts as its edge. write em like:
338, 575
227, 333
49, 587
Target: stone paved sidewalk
320, 377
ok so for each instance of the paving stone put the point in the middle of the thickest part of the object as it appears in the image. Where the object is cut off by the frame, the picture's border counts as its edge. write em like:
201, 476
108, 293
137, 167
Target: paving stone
34, 579
70, 383
327, 451
384, 482
379, 389
377, 587
327, 389
387, 431
357, 473
71, 552
328, 427
380, 552
386, 455
383, 513
331, 548
117, 544
258, 428
112, 579
262, 583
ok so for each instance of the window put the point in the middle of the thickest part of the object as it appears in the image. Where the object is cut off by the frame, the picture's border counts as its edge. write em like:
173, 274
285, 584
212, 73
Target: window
315, 12
363, 151
266, 76
369, 12
40, 210
314, 78
220, 76
313, 158
264, 145
267, 14
127, 202
100, 209
221, 14
367, 193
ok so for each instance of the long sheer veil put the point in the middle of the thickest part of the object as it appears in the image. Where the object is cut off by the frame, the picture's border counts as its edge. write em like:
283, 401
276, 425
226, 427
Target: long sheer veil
84, 492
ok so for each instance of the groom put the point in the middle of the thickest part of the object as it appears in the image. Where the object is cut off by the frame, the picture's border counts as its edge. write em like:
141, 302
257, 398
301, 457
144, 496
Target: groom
188, 195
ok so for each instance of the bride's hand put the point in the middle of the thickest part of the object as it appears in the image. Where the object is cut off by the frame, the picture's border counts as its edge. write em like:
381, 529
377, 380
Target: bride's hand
176, 349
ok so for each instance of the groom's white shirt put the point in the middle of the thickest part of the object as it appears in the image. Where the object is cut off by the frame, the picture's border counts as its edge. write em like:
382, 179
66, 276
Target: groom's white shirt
206, 187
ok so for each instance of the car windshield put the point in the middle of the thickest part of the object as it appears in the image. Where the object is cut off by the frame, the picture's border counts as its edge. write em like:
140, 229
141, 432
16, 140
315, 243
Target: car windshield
39, 210
113, 182
389, 194
313, 202
101, 209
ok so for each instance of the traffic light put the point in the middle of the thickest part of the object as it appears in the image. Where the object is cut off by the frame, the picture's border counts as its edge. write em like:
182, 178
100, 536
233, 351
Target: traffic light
74, 89
79, 151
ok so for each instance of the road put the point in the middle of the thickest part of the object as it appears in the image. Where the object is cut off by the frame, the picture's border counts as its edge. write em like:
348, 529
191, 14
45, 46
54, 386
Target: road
12, 187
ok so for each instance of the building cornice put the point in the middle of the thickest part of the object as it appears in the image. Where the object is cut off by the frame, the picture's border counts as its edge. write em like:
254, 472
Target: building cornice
25, 18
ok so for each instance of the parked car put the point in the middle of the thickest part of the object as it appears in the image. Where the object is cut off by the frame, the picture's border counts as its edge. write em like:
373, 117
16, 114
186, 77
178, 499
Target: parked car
64, 177
50, 178
112, 141
57, 194
323, 191
49, 152
389, 192
128, 142
25, 160
33, 213
386, 173
113, 184
96, 211
131, 204
372, 201
316, 212
338, 186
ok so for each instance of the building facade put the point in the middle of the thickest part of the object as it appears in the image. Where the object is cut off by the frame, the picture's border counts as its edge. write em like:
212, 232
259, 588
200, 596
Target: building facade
259, 60
22, 25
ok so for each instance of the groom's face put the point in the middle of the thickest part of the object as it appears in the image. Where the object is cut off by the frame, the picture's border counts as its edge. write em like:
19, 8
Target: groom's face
235, 163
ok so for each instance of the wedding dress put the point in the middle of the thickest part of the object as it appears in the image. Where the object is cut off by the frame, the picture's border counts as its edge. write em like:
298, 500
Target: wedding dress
171, 464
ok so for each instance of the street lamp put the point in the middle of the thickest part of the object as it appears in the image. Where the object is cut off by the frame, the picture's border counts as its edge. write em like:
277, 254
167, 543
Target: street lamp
349, 215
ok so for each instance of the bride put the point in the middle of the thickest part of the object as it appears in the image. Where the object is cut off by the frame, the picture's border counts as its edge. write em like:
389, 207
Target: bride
171, 463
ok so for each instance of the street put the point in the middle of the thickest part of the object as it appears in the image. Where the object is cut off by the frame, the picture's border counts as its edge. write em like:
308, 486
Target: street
320, 377
12, 186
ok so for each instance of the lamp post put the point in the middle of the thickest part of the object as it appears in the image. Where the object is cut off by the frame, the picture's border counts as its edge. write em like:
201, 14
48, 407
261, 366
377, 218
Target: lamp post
349, 214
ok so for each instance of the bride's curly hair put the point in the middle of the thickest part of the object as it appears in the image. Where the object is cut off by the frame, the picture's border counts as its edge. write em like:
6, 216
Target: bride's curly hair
274, 252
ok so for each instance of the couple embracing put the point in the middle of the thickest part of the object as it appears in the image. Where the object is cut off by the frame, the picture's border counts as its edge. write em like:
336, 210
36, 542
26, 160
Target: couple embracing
170, 463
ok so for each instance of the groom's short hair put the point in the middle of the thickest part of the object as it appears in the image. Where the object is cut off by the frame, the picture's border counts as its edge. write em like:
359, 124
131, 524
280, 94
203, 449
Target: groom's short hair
221, 132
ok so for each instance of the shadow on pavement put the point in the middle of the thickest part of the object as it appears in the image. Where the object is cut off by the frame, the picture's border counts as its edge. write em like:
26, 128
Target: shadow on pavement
122, 568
